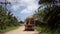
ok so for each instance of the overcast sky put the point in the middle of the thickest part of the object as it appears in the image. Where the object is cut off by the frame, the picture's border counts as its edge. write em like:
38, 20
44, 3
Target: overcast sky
22, 8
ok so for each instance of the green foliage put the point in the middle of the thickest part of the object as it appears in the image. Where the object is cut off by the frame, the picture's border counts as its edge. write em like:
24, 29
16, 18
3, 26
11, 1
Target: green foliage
39, 15
46, 30
8, 29
7, 19
48, 2
50, 15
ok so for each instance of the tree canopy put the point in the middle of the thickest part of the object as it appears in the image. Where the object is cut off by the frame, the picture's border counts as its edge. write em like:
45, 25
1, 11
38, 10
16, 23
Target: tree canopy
50, 14
7, 19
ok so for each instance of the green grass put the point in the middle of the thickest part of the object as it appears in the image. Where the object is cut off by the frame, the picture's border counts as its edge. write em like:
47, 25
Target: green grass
8, 29
46, 30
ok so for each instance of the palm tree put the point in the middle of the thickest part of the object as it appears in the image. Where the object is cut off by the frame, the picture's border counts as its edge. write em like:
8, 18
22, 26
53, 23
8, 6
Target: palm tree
7, 19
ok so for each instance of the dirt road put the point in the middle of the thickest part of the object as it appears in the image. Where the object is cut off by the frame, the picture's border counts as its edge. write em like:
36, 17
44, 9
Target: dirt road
20, 30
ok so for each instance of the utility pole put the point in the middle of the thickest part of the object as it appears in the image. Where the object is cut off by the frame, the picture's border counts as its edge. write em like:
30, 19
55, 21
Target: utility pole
5, 3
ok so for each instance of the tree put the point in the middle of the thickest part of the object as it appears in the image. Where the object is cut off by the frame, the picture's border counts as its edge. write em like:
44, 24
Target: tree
51, 11
7, 19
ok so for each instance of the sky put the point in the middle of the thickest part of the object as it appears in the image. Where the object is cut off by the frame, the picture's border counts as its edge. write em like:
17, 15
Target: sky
22, 8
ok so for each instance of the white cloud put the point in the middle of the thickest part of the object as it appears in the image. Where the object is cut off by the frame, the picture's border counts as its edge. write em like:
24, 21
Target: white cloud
30, 9
12, 1
26, 1
31, 6
2, 0
15, 7
25, 11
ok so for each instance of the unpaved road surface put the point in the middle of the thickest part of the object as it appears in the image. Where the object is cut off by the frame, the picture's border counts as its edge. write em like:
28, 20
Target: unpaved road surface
20, 30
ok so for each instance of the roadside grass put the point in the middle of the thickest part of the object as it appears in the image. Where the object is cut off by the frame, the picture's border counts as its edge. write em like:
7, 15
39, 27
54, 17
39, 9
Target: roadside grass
9, 28
46, 30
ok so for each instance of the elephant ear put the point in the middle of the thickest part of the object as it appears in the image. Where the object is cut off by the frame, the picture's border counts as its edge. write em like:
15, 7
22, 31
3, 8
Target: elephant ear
31, 17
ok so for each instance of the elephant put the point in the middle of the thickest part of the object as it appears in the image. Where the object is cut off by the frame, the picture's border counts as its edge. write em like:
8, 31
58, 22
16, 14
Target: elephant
29, 23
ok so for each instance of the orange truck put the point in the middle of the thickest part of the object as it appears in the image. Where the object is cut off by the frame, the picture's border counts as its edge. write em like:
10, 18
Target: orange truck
29, 23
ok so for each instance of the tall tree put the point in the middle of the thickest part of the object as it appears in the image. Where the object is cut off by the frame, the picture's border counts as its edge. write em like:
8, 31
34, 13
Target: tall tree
51, 11
7, 19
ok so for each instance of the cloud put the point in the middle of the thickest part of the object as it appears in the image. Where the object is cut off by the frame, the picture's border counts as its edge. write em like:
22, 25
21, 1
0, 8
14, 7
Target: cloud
12, 1
30, 7
25, 11
2, 0
15, 7
29, 4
